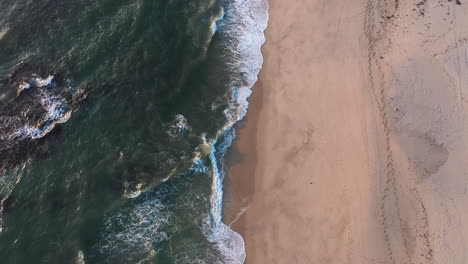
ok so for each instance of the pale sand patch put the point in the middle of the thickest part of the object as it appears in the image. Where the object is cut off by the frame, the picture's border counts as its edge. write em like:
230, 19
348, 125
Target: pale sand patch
356, 149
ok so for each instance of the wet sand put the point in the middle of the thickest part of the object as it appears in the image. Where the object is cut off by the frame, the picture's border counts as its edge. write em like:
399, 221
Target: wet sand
354, 149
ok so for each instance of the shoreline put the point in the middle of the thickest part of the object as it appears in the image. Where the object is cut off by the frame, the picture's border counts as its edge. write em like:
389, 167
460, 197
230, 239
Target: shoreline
352, 148
241, 29
241, 161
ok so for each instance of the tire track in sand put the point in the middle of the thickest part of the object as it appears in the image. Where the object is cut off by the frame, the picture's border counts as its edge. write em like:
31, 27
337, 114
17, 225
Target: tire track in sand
389, 196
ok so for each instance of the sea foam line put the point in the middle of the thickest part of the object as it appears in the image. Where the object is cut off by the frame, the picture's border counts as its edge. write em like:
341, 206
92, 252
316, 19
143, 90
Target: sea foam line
242, 28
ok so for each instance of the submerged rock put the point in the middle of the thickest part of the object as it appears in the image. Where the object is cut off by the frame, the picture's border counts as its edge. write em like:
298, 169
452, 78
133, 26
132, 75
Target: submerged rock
32, 103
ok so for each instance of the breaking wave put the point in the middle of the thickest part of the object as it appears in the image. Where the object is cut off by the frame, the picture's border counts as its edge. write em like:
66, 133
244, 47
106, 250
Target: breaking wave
131, 233
242, 30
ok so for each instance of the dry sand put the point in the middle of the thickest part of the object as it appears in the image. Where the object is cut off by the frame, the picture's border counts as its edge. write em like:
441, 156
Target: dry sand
355, 148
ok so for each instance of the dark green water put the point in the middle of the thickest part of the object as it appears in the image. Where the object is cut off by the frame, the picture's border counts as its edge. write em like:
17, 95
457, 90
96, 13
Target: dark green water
135, 175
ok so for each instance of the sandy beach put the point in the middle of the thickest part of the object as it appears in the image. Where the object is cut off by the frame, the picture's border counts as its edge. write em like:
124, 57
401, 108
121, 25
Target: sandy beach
355, 146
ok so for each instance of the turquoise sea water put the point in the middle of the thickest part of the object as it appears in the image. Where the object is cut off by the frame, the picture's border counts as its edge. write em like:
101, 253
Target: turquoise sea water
134, 173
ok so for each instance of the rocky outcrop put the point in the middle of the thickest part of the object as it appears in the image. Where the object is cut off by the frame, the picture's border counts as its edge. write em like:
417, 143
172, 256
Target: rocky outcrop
33, 102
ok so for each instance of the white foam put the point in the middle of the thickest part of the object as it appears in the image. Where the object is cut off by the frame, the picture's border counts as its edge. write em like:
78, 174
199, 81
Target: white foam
132, 193
179, 126
135, 229
56, 107
214, 25
3, 32
80, 257
199, 165
23, 86
58, 112
242, 30
39, 82
231, 244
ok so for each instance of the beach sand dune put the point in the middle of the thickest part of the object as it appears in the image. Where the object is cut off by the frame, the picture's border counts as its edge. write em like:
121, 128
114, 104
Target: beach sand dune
355, 147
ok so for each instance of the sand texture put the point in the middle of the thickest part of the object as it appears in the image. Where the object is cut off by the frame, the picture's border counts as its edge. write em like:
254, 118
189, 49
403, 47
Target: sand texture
355, 149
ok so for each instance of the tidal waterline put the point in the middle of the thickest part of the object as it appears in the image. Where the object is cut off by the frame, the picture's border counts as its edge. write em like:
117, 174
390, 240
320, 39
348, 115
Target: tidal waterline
135, 174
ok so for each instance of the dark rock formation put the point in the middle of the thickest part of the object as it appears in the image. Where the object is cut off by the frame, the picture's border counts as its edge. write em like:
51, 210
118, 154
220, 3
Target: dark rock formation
33, 102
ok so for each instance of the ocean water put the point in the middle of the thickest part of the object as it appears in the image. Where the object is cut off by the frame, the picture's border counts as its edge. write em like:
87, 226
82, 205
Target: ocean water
114, 118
